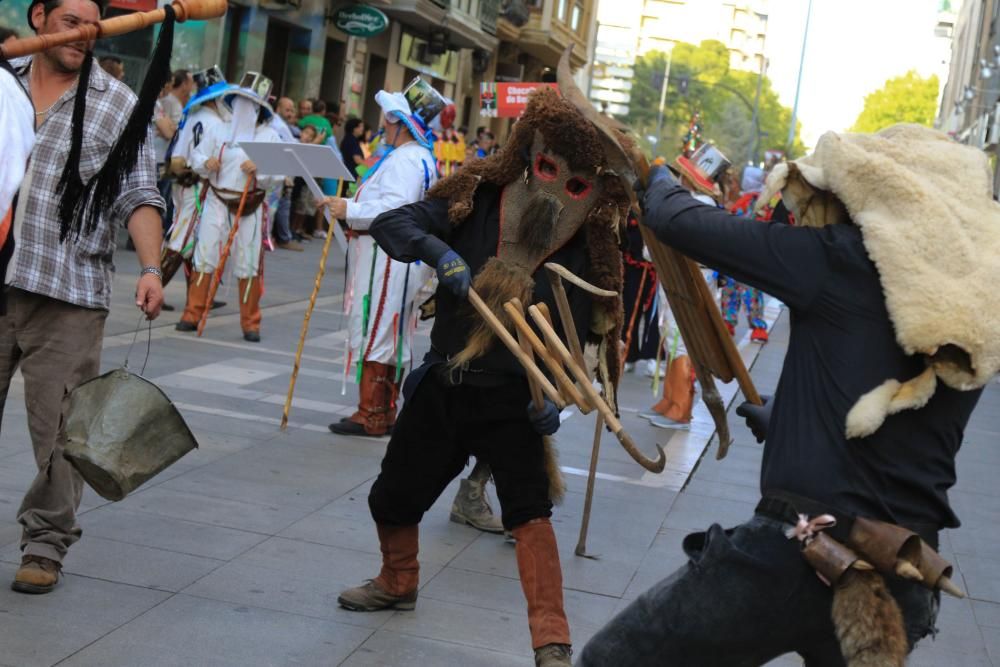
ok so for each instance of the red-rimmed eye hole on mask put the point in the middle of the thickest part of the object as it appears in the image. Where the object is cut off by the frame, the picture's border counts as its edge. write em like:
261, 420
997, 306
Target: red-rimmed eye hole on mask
546, 168
577, 188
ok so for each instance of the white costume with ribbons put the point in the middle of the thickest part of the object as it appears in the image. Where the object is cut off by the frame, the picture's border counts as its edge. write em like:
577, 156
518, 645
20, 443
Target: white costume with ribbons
229, 182
382, 290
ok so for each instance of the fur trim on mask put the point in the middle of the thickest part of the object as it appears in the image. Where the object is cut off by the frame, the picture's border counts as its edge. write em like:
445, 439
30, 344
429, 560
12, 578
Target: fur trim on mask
566, 132
925, 208
497, 283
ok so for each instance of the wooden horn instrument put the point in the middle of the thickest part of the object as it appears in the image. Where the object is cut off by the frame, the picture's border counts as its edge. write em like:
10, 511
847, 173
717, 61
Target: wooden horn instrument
185, 10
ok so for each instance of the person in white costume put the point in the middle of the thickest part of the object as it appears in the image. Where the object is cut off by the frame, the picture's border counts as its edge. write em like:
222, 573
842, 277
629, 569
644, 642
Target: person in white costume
17, 135
201, 114
382, 291
229, 172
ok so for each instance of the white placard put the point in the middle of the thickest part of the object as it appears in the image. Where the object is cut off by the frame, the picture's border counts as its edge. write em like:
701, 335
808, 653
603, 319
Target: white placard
307, 161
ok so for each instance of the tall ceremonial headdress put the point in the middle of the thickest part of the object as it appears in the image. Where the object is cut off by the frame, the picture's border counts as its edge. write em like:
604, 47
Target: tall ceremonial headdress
562, 171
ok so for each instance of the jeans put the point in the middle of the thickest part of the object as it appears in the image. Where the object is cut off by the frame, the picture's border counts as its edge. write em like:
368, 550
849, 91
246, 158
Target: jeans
282, 229
745, 597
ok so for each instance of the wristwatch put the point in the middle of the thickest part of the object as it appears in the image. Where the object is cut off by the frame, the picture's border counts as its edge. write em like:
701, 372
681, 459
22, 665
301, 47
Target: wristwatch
155, 270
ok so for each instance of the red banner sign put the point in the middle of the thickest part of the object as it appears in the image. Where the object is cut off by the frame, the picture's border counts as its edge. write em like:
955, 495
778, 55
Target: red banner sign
506, 100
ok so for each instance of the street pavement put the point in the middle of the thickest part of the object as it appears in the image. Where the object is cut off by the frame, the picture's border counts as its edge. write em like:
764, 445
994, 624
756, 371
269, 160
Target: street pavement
235, 555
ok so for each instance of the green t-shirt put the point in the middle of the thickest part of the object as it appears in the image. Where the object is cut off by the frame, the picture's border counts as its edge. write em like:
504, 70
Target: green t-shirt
319, 122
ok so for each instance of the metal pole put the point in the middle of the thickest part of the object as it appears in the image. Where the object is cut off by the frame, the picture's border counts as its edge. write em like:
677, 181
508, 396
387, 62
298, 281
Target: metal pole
798, 84
663, 100
755, 144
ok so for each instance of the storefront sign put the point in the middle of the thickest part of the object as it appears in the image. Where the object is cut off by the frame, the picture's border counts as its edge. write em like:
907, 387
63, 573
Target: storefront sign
506, 100
360, 20
134, 5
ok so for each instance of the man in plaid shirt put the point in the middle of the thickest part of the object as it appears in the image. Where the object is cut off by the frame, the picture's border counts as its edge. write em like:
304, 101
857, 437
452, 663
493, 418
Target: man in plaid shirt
57, 293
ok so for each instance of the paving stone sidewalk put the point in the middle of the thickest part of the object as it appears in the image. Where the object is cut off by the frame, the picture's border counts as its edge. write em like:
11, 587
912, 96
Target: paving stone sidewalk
235, 555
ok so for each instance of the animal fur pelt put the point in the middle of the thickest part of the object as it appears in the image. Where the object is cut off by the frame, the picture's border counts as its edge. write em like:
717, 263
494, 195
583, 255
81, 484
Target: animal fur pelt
868, 622
925, 208
497, 283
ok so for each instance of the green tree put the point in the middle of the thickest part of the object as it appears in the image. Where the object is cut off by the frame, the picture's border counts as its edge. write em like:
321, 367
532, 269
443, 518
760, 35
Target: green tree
723, 97
903, 99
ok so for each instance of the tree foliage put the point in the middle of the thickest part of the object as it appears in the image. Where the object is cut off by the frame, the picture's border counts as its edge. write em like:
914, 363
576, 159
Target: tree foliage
724, 98
903, 99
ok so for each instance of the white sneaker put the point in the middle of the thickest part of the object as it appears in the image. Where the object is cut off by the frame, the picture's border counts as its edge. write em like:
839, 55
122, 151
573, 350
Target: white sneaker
320, 234
629, 366
666, 422
650, 369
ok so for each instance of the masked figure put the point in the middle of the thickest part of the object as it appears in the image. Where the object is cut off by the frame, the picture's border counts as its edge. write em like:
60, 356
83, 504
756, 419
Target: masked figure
381, 291
232, 180
549, 195
201, 115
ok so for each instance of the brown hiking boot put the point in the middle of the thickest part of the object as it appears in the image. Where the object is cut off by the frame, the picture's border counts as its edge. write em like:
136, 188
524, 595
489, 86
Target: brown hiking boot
369, 596
36, 575
472, 507
554, 655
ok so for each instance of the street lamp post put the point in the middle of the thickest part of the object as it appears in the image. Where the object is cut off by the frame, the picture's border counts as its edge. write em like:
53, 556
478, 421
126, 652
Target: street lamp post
663, 97
798, 84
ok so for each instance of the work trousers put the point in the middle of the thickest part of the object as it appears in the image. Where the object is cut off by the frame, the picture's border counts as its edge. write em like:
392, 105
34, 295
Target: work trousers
440, 426
745, 597
57, 346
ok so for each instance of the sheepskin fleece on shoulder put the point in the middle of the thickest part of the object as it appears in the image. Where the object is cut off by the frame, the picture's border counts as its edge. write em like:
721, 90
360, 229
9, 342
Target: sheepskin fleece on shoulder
925, 208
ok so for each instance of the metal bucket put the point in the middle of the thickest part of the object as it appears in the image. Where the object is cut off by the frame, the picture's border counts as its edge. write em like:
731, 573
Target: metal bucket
122, 430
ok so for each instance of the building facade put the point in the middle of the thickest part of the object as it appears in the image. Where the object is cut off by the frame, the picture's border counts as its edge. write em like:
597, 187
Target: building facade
629, 29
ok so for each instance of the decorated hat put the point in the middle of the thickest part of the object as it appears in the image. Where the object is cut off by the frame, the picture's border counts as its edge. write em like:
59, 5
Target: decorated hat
683, 166
255, 87
416, 107
211, 85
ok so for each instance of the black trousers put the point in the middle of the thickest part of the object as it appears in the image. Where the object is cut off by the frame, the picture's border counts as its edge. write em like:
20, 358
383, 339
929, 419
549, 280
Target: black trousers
439, 427
746, 596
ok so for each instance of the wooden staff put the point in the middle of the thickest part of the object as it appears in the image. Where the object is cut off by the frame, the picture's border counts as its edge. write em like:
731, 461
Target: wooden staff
529, 364
537, 398
320, 272
595, 399
551, 361
184, 10
581, 544
217, 276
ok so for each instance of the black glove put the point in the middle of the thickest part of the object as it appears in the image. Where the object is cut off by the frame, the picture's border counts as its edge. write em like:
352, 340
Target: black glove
546, 420
756, 416
454, 274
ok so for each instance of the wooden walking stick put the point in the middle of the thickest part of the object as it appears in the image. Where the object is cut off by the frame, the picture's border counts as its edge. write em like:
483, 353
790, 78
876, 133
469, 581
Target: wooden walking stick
320, 272
217, 276
185, 10
581, 544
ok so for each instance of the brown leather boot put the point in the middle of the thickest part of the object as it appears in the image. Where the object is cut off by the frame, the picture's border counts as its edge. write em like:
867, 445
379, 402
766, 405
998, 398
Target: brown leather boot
36, 575
541, 580
678, 394
249, 298
396, 585
197, 301
375, 403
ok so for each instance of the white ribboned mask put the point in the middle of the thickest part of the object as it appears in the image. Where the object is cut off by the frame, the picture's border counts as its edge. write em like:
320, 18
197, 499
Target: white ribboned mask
244, 120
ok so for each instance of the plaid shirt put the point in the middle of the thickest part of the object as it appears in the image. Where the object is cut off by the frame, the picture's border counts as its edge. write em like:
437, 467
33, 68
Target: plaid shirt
77, 271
